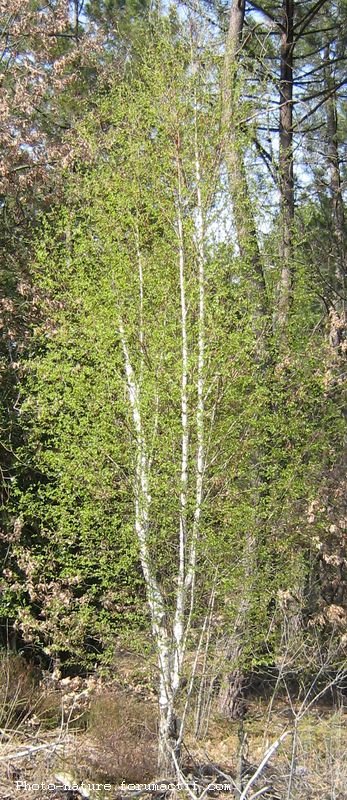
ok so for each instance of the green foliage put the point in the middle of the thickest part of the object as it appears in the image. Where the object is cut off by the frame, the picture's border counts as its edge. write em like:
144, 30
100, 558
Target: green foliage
272, 428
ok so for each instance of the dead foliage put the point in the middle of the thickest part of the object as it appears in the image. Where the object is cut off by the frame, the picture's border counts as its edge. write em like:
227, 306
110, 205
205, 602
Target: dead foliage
18, 688
124, 736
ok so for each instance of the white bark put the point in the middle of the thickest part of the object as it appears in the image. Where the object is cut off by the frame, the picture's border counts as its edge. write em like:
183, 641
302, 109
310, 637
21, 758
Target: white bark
199, 705
142, 509
178, 628
141, 327
186, 575
29, 751
200, 458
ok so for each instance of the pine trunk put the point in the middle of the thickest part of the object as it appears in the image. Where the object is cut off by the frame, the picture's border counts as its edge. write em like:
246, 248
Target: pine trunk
286, 176
336, 192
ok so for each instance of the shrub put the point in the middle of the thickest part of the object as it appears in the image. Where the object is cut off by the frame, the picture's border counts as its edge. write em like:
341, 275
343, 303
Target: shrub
125, 737
18, 688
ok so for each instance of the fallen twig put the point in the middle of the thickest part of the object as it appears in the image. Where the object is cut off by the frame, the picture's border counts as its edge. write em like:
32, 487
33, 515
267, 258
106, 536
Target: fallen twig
30, 750
275, 745
259, 792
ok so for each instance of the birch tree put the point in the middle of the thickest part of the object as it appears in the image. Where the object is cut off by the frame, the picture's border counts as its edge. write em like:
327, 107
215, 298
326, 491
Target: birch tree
141, 239
149, 399
186, 252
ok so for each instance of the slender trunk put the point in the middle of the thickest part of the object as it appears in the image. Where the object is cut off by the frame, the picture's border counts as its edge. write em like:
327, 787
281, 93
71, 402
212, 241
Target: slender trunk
167, 735
170, 734
336, 192
234, 156
231, 701
189, 580
178, 627
76, 22
200, 427
202, 701
154, 596
286, 177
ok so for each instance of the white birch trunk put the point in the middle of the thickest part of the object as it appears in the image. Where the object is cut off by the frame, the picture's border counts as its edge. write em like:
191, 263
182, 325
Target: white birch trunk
154, 595
141, 326
200, 457
178, 628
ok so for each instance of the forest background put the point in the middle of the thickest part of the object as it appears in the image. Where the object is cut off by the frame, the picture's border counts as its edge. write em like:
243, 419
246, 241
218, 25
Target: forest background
173, 347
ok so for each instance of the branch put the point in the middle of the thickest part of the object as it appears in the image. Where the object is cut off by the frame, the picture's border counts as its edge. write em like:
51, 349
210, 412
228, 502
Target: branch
194, 7
275, 745
321, 92
267, 159
313, 110
320, 66
260, 792
312, 53
307, 18
267, 14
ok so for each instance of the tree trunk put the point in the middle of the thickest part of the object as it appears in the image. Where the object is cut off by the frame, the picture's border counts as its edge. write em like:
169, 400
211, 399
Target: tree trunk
231, 701
168, 746
231, 696
336, 192
234, 156
286, 178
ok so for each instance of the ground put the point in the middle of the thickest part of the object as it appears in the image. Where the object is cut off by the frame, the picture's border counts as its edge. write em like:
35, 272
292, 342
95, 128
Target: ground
96, 736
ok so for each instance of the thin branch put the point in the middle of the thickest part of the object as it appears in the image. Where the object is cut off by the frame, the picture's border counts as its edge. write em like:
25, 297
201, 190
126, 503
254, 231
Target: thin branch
321, 92
267, 160
308, 17
321, 103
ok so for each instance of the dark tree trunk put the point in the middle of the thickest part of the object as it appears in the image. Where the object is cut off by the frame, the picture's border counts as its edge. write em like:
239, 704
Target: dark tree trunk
231, 696
286, 177
336, 191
